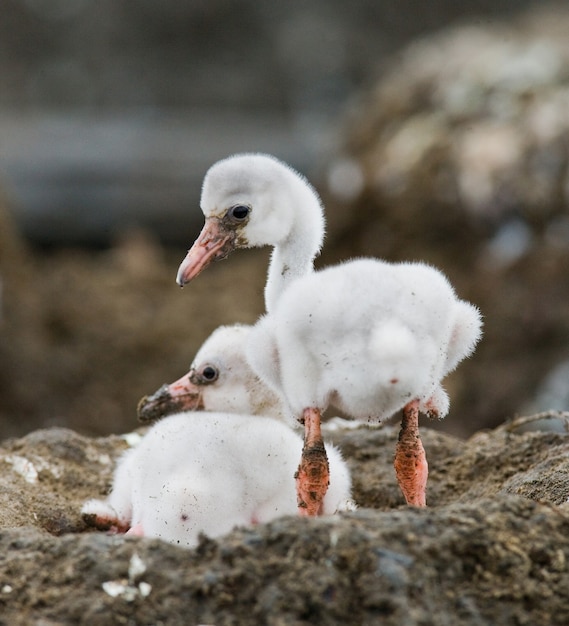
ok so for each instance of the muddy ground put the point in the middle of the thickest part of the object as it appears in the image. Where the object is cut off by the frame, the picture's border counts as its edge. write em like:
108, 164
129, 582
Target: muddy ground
491, 548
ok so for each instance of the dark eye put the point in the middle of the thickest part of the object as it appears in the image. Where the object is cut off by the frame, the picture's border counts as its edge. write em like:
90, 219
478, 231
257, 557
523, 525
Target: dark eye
209, 373
239, 212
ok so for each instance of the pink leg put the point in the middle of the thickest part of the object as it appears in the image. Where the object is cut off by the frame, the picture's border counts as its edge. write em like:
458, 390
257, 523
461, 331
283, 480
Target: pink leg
104, 522
313, 474
136, 530
410, 460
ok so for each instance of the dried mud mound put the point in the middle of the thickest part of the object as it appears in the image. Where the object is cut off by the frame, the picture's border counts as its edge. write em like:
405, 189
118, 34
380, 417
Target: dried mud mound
492, 547
459, 156
490, 562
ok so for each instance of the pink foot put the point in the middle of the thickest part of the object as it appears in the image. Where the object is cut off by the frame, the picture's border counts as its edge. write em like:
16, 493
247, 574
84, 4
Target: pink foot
136, 530
100, 515
410, 460
313, 474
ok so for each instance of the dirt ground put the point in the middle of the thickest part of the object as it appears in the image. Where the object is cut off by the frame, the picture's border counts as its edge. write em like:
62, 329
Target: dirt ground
91, 333
491, 548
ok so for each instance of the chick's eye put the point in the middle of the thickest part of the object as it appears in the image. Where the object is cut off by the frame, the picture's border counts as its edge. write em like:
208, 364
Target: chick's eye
239, 212
209, 373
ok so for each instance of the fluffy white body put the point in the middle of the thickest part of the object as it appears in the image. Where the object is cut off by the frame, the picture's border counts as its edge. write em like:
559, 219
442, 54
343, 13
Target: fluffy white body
366, 336
192, 475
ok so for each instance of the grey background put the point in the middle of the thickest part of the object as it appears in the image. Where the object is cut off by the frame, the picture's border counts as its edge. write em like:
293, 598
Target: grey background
112, 110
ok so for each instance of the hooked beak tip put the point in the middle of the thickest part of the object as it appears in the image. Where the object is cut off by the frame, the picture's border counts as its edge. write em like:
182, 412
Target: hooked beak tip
184, 275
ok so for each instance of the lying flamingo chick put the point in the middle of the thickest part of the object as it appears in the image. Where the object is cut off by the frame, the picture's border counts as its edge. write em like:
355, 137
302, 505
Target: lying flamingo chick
191, 475
366, 335
219, 379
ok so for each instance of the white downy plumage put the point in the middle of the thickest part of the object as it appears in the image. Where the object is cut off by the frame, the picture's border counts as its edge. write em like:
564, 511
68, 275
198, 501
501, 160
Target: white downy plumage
219, 379
194, 473
367, 337
254, 200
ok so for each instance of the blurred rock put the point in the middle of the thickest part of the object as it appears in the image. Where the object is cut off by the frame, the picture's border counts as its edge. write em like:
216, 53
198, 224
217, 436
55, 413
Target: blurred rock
19, 321
470, 128
458, 156
553, 390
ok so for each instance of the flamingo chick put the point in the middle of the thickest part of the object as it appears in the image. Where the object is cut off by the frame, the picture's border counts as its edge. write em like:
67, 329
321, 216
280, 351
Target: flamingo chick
219, 379
169, 486
367, 336
370, 338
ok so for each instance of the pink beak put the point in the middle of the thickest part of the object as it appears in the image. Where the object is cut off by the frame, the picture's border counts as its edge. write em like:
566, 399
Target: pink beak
214, 242
181, 395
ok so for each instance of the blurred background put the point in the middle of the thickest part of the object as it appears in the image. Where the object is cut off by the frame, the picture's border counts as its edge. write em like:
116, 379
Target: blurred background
435, 131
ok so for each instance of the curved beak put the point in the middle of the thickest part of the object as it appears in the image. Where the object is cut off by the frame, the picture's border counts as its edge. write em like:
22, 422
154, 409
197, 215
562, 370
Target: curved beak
181, 395
214, 242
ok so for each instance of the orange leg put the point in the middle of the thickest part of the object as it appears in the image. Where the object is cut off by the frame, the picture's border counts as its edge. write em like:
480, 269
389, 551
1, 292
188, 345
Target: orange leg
410, 460
313, 474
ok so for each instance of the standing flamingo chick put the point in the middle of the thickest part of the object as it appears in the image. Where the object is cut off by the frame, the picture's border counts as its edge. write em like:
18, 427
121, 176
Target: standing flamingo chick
191, 475
370, 338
